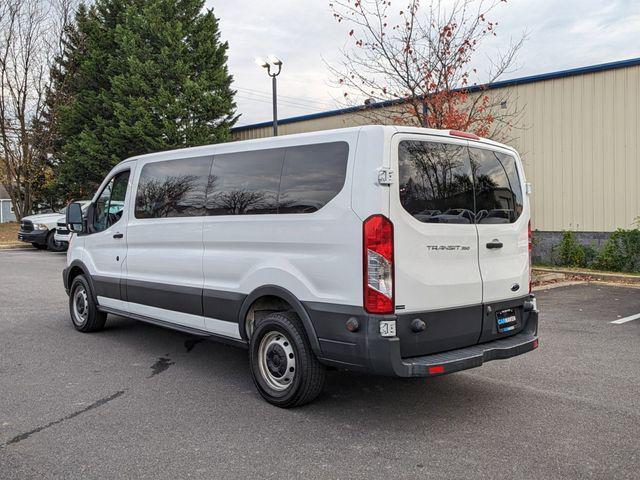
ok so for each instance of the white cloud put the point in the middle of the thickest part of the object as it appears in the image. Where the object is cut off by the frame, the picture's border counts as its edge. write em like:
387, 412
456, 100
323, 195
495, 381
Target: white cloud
562, 34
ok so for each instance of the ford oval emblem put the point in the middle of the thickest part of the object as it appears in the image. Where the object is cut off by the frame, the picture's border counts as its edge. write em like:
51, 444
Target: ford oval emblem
515, 287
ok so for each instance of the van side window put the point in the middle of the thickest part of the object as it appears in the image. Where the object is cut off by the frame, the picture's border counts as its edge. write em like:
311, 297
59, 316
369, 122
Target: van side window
246, 182
435, 182
174, 188
312, 175
498, 192
110, 203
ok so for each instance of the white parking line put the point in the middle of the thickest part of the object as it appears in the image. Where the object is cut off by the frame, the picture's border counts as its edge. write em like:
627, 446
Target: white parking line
626, 319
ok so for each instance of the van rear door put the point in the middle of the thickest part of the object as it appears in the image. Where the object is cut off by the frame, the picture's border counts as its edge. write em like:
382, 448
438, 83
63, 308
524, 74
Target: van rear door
437, 274
502, 216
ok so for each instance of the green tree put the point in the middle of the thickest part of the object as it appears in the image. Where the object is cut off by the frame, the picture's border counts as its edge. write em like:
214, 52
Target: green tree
147, 75
60, 94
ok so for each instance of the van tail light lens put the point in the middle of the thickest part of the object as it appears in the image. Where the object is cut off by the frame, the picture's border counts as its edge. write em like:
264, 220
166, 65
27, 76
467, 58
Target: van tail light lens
379, 294
530, 239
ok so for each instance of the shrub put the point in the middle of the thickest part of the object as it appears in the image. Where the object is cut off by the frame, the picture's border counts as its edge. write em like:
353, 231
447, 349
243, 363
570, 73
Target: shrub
571, 253
621, 252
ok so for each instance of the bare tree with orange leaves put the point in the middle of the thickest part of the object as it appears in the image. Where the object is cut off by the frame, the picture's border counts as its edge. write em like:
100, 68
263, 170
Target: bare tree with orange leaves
420, 58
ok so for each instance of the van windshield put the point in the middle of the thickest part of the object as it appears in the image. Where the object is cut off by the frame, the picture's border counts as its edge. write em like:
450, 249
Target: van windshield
445, 183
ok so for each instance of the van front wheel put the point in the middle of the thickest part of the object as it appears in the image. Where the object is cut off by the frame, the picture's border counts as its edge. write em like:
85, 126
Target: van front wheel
283, 366
84, 311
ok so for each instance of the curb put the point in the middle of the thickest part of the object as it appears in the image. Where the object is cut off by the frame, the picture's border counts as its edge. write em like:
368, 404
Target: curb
13, 246
606, 277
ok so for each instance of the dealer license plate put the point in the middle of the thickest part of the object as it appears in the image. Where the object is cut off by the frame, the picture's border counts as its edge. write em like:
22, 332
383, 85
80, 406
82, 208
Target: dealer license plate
506, 320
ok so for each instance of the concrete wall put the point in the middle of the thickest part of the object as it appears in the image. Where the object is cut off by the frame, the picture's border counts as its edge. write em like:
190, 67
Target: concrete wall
544, 242
578, 140
5, 208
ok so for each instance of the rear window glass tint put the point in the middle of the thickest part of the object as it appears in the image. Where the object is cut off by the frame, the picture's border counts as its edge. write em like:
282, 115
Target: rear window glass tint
435, 182
498, 191
312, 175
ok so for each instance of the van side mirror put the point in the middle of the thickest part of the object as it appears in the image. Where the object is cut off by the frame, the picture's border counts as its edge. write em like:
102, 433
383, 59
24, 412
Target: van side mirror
74, 218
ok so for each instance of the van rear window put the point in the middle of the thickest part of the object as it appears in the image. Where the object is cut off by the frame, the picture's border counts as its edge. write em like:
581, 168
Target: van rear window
497, 186
446, 183
435, 182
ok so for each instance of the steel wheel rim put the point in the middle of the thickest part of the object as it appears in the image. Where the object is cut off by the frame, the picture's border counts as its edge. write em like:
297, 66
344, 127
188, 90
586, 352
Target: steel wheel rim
277, 361
80, 306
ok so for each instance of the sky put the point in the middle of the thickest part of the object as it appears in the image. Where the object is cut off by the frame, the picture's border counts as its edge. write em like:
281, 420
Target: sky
561, 34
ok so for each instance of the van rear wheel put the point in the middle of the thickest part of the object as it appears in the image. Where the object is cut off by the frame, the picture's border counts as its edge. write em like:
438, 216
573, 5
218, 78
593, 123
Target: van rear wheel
283, 366
84, 311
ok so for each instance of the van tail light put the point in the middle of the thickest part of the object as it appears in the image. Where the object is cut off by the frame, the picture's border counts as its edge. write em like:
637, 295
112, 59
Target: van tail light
379, 294
530, 241
458, 133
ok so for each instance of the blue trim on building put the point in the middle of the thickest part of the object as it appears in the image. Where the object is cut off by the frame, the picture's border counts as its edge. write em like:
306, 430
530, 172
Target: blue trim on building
475, 88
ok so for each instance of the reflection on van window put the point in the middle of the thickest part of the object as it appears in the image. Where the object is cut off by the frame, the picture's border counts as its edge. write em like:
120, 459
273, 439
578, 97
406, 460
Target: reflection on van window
174, 188
110, 203
300, 179
246, 182
498, 192
435, 182
444, 183
312, 175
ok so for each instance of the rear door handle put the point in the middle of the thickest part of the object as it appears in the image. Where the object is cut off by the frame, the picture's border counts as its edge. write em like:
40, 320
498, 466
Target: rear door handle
494, 244
118, 235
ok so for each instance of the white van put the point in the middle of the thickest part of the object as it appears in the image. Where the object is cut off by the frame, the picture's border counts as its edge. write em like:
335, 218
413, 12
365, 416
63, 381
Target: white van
315, 250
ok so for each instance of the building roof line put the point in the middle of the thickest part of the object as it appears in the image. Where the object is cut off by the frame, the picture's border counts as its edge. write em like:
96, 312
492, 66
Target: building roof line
474, 88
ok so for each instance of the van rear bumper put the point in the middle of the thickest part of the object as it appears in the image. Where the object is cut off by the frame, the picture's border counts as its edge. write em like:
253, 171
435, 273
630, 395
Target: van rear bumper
367, 351
462, 358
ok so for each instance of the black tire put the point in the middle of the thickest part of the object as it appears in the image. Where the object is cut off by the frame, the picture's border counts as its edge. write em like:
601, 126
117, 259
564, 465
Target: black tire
39, 246
276, 337
52, 245
81, 298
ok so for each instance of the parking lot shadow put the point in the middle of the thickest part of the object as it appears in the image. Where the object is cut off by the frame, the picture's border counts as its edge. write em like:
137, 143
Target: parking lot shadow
348, 396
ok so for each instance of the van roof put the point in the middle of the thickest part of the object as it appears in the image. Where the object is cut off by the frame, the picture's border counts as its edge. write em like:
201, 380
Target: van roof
390, 129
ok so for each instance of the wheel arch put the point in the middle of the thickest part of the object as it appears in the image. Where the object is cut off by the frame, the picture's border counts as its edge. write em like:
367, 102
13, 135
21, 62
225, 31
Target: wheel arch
274, 291
76, 268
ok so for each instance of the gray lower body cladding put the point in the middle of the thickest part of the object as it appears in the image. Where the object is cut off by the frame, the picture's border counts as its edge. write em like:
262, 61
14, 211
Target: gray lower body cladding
453, 339
458, 338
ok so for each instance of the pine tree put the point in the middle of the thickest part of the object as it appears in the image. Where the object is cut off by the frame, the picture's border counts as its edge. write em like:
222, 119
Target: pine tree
148, 75
59, 96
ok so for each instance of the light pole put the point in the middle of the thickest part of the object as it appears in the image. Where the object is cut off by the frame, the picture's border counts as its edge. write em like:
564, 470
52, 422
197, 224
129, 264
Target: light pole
272, 62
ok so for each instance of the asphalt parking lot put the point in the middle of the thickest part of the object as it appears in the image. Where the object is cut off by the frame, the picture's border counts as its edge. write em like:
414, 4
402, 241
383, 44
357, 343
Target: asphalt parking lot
138, 401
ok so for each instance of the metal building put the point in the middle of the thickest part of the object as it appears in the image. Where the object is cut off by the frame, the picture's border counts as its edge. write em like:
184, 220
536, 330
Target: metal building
579, 140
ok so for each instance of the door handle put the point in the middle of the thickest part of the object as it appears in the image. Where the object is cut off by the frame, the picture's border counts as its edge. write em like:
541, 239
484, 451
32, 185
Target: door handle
494, 244
118, 235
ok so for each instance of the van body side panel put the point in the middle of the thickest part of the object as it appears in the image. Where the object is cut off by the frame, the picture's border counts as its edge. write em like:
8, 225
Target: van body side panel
311, 255
103, 254
368, 197
304, 254
164, 265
